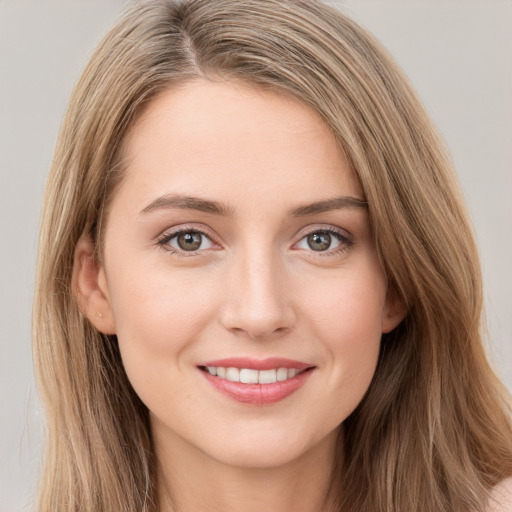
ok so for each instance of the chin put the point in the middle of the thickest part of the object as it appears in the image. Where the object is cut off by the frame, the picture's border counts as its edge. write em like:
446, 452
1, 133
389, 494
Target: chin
271, 451
257, 458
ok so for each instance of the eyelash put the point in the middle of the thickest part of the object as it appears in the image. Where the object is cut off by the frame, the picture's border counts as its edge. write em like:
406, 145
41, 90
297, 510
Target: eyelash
344, 239
164, 240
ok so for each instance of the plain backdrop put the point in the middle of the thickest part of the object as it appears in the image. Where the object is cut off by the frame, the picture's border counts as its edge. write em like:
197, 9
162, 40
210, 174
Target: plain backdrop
457, 53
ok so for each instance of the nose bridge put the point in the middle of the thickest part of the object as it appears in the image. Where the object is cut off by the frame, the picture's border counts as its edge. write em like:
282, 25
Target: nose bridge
258, 301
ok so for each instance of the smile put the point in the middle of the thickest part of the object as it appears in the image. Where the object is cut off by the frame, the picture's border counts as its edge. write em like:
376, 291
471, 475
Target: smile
256, 382
250, 376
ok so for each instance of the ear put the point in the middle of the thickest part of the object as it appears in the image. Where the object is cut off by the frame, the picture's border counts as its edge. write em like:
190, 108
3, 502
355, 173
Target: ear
394, 311
90, 288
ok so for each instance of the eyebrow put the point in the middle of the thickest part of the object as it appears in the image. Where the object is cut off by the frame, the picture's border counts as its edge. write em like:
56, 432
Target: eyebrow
336, 203
187, 203
171, 201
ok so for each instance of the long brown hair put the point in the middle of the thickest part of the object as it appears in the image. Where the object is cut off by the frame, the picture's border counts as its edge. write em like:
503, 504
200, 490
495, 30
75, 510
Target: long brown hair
433, 432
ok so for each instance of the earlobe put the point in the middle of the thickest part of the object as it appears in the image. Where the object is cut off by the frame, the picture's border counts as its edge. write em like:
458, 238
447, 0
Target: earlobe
90, 288
394, 312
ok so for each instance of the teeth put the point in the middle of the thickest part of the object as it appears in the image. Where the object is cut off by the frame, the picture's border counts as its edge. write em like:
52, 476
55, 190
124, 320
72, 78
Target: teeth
282, 374
267, 376
249, 376
233, 374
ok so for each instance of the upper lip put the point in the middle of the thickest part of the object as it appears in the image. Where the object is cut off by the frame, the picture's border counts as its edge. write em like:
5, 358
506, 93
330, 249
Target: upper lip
257, 364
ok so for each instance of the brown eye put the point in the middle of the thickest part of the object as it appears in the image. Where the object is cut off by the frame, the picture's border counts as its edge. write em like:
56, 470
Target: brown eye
188, 241
323, 240
319, 241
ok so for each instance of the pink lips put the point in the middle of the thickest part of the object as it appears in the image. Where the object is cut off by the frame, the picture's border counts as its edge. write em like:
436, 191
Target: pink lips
258, 364
258, 394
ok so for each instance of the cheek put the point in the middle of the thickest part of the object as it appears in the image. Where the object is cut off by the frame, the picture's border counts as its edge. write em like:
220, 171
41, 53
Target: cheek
347, 316
158, 315
348, 309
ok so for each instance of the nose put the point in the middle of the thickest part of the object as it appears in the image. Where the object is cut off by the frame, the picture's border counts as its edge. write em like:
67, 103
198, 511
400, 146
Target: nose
257, 297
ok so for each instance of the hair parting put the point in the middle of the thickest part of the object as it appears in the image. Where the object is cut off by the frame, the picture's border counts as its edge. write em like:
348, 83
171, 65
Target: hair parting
433, 432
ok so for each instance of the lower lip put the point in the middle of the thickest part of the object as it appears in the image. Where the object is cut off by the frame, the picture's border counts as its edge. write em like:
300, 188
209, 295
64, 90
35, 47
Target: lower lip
258, 394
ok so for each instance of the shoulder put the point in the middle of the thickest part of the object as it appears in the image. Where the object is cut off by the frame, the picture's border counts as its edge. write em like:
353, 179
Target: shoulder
501, 497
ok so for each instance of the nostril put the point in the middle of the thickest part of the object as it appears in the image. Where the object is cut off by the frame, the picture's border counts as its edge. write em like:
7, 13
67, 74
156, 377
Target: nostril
259, 306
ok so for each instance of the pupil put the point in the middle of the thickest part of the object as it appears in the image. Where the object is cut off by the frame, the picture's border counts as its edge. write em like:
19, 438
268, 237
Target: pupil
189, 241
319, 241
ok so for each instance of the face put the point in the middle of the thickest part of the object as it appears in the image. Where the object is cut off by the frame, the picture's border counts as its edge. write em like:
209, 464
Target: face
237, 248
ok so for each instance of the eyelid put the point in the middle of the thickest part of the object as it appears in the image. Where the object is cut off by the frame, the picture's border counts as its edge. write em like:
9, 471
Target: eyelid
168, 234
346, 238
308, 230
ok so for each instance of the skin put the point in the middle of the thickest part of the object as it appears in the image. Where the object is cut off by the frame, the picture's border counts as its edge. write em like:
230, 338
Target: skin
254, 289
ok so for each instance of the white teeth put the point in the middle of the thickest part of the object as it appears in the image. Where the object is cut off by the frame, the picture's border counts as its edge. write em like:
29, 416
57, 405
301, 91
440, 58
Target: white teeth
282, 374
291, 373
250, 376
267, 376
233, 374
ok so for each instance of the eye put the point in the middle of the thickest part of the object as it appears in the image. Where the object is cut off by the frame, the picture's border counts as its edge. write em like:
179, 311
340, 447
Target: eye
188, 241
322, 240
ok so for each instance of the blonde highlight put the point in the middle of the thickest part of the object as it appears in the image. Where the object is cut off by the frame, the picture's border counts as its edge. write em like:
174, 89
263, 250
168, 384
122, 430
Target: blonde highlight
402, 448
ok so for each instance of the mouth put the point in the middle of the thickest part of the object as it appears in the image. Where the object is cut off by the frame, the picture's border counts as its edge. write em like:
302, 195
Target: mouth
256, 382
252, 376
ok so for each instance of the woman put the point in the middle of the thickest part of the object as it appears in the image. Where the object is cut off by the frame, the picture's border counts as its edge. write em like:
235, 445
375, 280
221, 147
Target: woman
257, 283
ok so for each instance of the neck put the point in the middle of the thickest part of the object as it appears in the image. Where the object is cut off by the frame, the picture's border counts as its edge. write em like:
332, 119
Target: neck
190, 480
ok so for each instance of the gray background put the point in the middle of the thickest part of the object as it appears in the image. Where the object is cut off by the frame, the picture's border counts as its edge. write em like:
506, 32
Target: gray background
458, 54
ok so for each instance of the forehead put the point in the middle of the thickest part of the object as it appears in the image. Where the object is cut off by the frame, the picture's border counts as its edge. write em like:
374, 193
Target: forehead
227, 138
